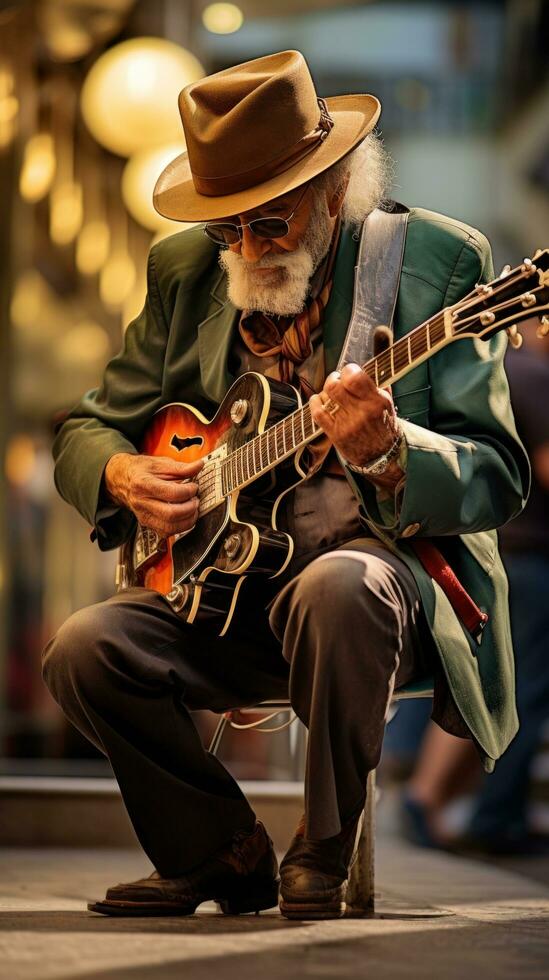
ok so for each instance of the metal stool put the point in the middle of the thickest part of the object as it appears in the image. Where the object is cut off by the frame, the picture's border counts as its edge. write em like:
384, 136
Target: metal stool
360, 892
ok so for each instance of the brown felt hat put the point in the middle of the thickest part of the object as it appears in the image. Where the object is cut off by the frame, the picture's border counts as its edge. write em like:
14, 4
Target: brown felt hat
255, 132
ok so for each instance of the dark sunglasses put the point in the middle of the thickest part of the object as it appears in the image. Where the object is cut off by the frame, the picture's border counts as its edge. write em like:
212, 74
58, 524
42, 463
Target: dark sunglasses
229, 233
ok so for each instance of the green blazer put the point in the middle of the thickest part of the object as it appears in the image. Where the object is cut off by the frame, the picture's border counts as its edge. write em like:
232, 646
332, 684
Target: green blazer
467, 472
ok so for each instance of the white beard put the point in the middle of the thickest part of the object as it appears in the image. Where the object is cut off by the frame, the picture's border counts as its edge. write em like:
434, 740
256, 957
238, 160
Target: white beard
286, 293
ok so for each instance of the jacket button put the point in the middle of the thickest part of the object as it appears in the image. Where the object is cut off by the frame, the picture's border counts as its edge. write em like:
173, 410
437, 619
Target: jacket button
411, 529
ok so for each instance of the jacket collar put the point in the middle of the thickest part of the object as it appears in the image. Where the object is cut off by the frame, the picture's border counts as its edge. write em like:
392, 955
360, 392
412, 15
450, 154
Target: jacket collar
216, 331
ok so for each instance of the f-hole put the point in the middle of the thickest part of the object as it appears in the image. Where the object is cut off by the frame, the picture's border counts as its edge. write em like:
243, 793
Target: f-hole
180, 443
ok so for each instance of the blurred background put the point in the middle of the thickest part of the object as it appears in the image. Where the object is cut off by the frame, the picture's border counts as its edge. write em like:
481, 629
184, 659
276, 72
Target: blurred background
88, 119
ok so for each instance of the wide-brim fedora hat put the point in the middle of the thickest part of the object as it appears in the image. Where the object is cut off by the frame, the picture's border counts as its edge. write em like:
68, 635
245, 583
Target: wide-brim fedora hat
254, 132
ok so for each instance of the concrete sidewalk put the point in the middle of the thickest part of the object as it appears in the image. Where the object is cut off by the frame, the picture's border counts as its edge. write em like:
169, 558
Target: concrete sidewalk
438, 917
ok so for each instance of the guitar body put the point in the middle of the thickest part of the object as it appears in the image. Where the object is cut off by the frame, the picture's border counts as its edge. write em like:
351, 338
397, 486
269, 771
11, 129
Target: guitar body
202, 570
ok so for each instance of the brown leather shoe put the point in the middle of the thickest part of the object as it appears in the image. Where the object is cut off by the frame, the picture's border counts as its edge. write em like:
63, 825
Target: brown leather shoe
241, 877
314, 874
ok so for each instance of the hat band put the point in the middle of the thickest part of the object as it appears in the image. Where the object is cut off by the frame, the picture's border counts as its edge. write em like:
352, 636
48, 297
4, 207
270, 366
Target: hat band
233, 183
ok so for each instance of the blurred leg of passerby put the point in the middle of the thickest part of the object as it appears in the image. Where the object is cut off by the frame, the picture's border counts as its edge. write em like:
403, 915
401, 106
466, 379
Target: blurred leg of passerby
500, 818
446, 768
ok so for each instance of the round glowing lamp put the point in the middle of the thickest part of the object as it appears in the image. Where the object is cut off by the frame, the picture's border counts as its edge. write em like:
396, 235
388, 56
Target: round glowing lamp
222, 18
138, 180
129, 97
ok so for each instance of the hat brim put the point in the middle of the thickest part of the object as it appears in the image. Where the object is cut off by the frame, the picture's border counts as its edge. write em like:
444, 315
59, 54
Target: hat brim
176, 197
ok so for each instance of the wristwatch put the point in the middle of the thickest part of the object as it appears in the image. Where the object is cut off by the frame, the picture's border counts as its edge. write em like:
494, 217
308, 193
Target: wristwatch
377, 466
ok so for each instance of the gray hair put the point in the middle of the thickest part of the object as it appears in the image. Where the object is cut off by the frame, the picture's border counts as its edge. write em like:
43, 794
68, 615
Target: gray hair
370, 171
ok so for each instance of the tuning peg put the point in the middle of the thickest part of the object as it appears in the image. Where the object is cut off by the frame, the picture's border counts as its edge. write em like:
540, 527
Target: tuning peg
505, 271
543, 328
515, 339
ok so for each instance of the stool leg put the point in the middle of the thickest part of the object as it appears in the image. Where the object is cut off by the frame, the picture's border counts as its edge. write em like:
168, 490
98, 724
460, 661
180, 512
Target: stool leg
360, 891
218, 734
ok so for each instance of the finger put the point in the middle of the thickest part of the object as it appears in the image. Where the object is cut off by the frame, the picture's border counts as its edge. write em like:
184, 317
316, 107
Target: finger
170, 491
173, 469
357, 382
320, 415
352, 383
170, 518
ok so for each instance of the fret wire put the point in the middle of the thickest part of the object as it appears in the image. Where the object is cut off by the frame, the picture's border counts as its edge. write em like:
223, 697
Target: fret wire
293, 421
290, 431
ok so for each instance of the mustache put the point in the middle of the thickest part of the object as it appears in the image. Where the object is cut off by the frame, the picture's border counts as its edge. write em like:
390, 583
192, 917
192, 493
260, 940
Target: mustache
266, 262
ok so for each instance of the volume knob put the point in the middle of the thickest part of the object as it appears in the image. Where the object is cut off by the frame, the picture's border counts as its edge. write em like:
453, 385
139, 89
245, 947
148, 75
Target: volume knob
231, 545
240, 411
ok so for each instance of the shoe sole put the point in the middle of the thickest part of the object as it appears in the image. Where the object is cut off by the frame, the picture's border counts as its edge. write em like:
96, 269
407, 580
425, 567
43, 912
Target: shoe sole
300, 910
244, 897
140, 908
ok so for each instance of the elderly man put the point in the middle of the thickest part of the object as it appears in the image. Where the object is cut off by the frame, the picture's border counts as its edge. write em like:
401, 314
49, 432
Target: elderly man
284, 181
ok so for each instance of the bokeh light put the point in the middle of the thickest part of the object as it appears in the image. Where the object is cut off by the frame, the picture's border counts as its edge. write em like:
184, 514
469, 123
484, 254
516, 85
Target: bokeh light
84, 345
20, 459
117, 279
222, 18
92, 247
129, 97
66, 212
38, 169
9, 106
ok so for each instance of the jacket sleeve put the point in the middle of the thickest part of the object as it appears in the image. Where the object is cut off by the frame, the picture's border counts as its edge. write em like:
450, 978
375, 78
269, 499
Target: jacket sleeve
112, 418
468, 471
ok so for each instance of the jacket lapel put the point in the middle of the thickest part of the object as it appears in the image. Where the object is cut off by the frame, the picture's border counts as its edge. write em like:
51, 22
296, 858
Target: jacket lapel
215, 334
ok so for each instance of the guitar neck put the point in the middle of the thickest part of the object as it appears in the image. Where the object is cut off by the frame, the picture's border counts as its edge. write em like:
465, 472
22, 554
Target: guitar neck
294, 432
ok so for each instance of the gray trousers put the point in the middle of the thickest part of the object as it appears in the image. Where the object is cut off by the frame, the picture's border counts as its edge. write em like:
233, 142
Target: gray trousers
344, 630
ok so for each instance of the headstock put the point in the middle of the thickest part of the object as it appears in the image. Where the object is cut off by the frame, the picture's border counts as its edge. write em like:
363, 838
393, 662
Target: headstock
515, 295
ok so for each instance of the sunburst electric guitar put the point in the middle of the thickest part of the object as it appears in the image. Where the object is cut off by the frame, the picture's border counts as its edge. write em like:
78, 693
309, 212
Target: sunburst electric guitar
253, 453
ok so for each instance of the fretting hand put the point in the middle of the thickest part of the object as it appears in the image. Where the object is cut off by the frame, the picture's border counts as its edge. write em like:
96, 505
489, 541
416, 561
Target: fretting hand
365, 425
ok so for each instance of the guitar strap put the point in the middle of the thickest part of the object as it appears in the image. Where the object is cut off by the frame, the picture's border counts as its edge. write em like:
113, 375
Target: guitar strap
377, 279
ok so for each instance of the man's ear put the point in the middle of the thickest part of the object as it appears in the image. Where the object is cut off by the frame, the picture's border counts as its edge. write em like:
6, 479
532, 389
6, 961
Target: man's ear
335, 198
